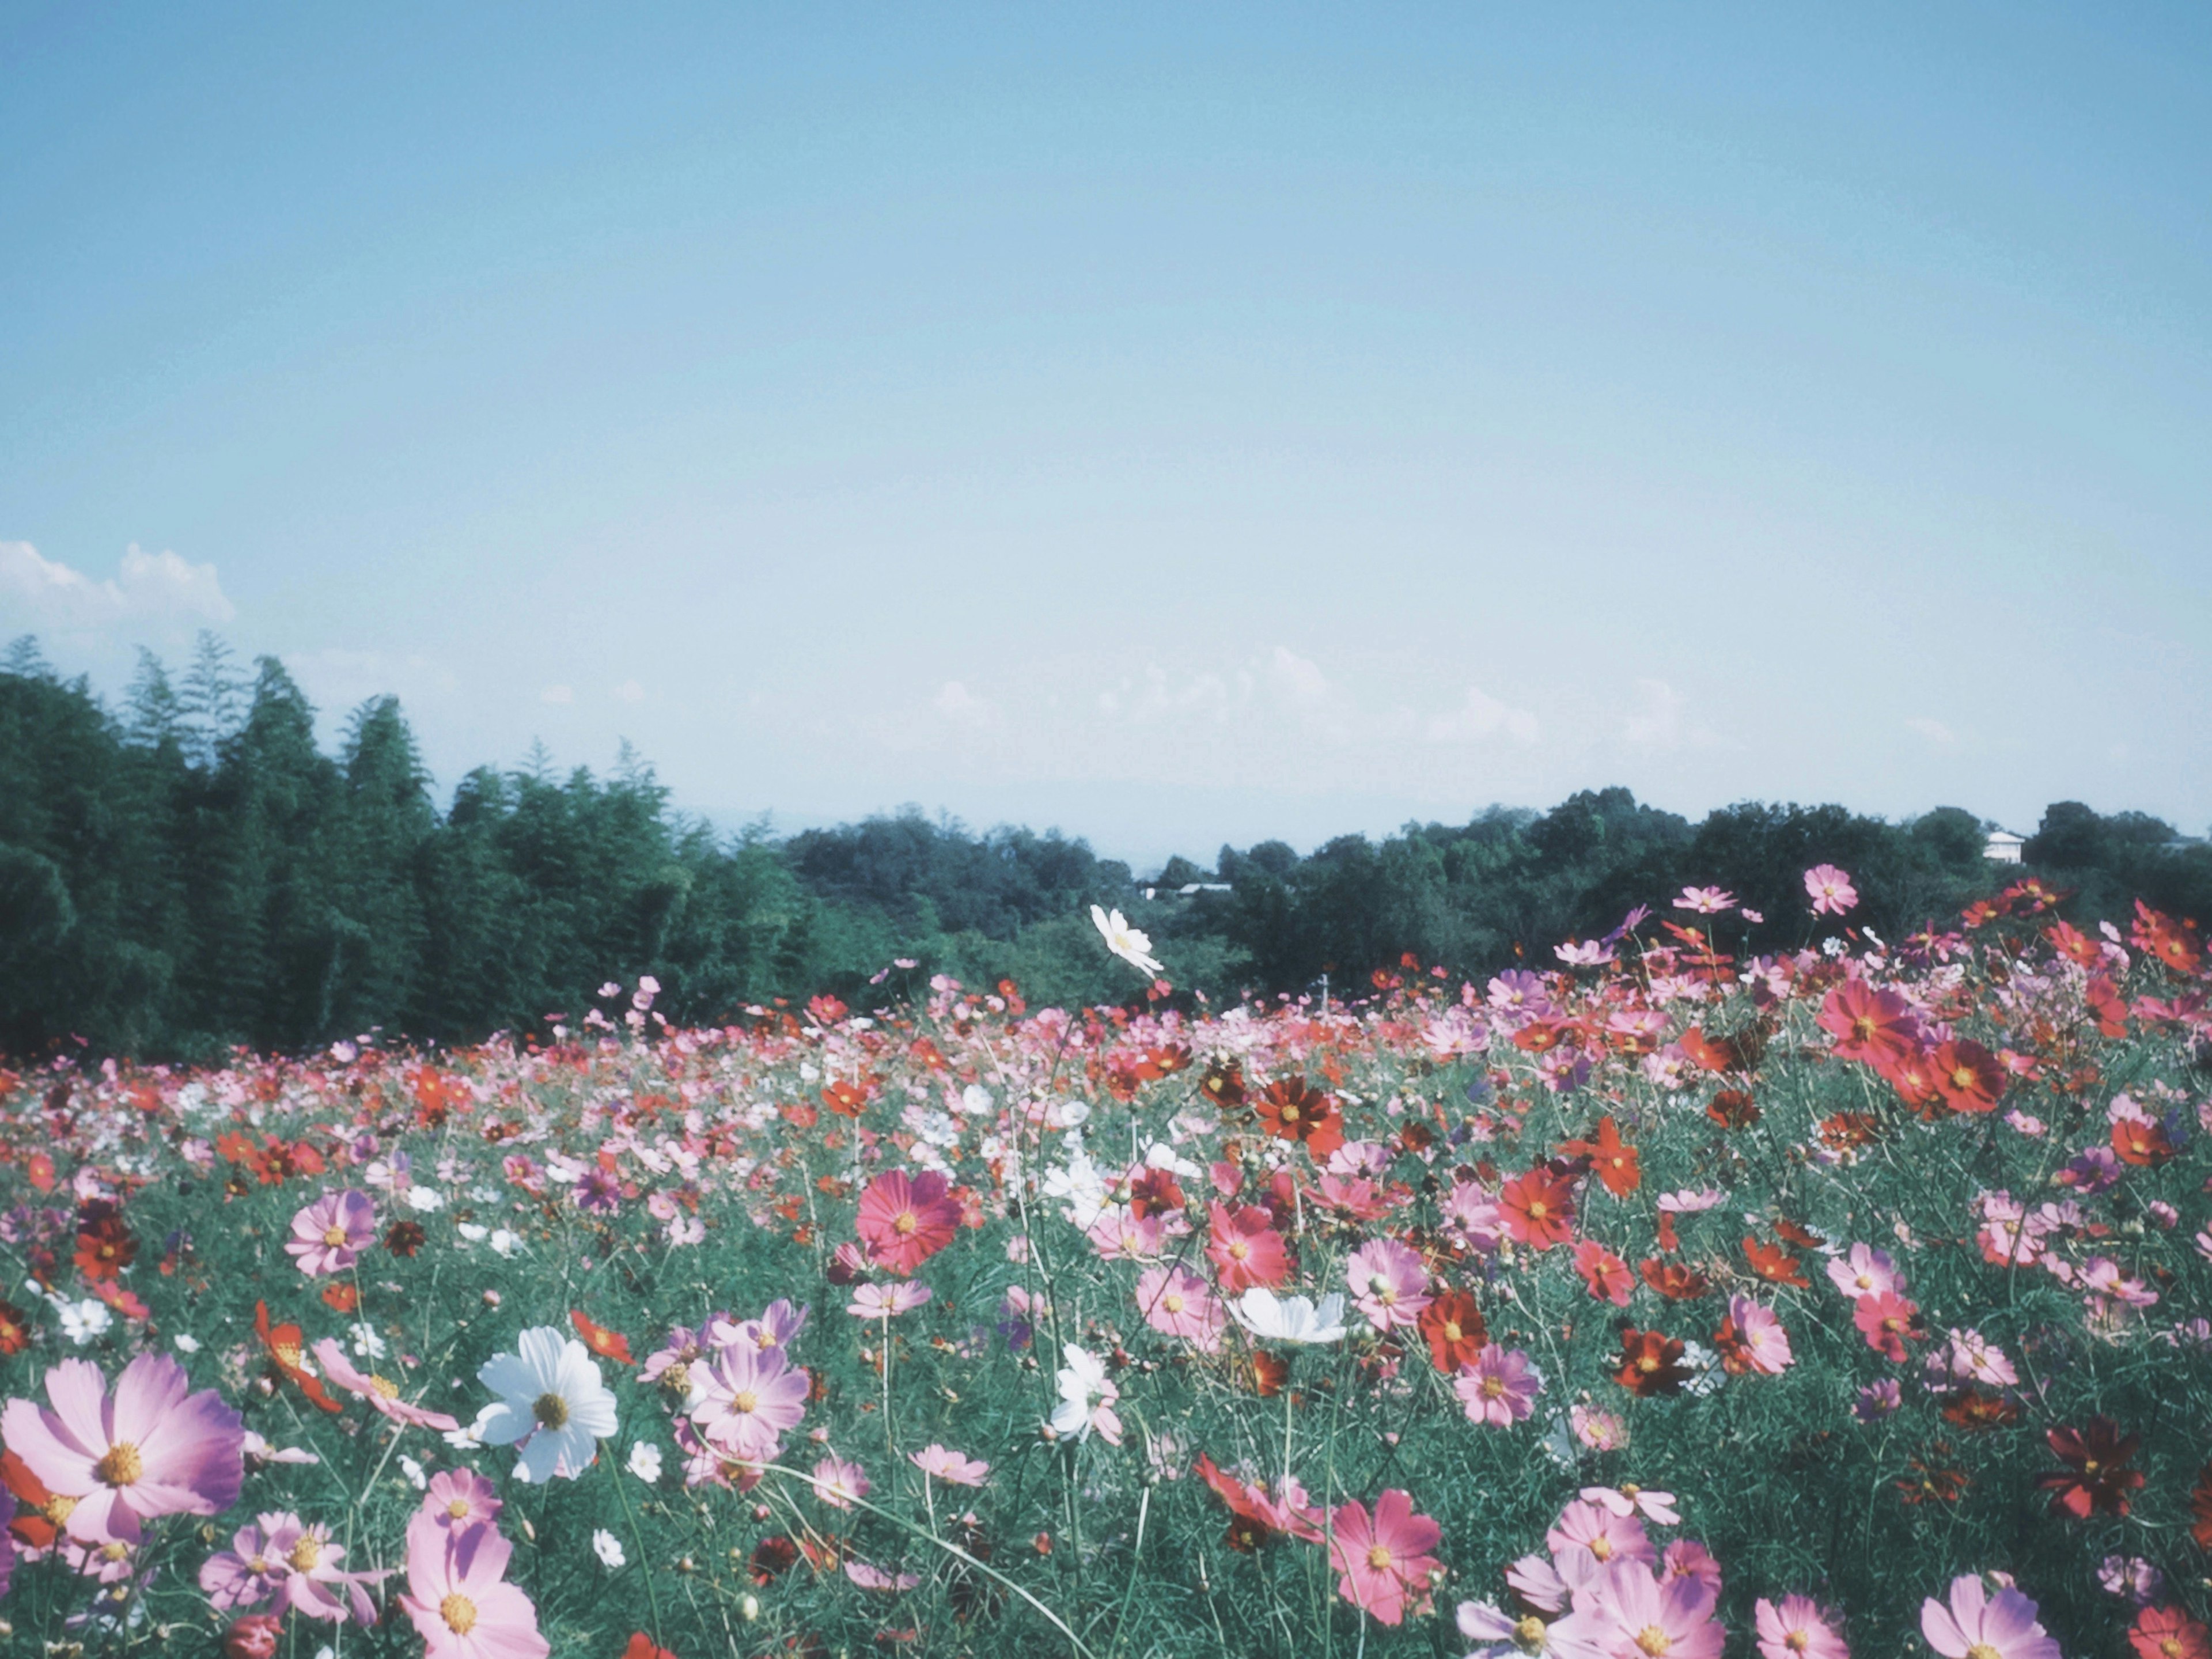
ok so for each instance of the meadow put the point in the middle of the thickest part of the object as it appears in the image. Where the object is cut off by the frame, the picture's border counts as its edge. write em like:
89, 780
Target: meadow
1658, 1298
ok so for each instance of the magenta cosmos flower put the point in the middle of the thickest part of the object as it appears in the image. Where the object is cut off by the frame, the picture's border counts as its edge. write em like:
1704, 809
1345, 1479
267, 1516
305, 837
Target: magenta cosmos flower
458, 1596
1832, 893
297, 1564
1500, 1387
1384, 1558
903, 1222
153, 1449
938, 1463
380, 1392
1979, 1625
328, 1236
1627, 1609
1177, 1303
1389, 1283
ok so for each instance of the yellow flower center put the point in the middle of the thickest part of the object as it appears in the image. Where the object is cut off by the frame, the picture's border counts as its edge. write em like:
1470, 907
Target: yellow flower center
1601, 1547
1983, 1651
307, 1554
385, 1386
114, 1550
1378, 1558
1797, 1641
1172, 1303
906, 1222
1538, 1209
1653, 1640
1528, 1634
552, 1412
1493, 1387
458, 1612
457, 1509
120, 1466
1239, 1251
747, 1402
58, 1508
334, 1236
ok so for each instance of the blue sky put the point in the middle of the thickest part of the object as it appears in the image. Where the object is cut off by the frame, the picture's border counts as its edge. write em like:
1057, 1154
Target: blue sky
1174, 424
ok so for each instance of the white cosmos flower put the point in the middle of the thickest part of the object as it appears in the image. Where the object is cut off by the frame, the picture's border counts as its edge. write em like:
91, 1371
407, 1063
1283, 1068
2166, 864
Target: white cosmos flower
473, 1232
1126, 942
417, 1476
187, 1343
1087, 1398
505, 1241
424, 1200
83, 1320
552, 1407
608, 1549
645, 1462
1290, 1318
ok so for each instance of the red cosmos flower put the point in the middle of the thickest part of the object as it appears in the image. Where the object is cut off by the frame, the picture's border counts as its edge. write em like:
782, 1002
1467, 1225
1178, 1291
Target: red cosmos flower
903, 1223
2141, 1141
845, 1099
341, 1297
608, 1345
2097, 1476
2169, 1633
105, 1248
1672, 1281
1453, 1327
40, 1515
642, 1646
285, 1344
1968, 1076
1651, 1364
1774, 1264
1603, 1273
1224, 1084
1538, 1209
1255, 1518
2200, 1509
1294, 1110
1888, 1322
1614, 1160
1155, 1192
1868, 1024
14, 1332
2172, 943
2076, 946
1913, 1077
1733, 1109
2104, 1002
1245, 1249
772, 1558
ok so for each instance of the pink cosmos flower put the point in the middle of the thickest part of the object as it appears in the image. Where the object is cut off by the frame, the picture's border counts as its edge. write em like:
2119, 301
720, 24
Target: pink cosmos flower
903, 1222
1384, 1560
939, 1464
1686, 1557
1865, 1272
1500, 1387
1887, 1321
746, 1401
247, 1573
1123, 1235
837, 1482
1177, 1303
1832, 893
329, 1235
869, 1576
1245, 1249
459, 1599
458, 1499
380, 1392
1705, 901
310, 1582
886, 1301
1760, 1344
1972, 1354
1798, 1629
1979, 1625
1657, 1506
152, 1449
1388, 1283
1626, 1610
1608, 1537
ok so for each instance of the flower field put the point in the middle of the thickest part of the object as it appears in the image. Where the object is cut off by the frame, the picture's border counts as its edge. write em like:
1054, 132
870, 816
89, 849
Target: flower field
1656, 1300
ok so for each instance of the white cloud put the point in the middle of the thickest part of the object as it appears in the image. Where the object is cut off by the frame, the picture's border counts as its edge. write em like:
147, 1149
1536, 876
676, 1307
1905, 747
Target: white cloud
1298, 681
147, 586
558, 693
1480, 716
1656, 722
1935, 731
963, 706
630, 691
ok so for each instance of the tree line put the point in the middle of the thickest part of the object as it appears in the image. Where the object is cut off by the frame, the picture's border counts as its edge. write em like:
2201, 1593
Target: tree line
190, 870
